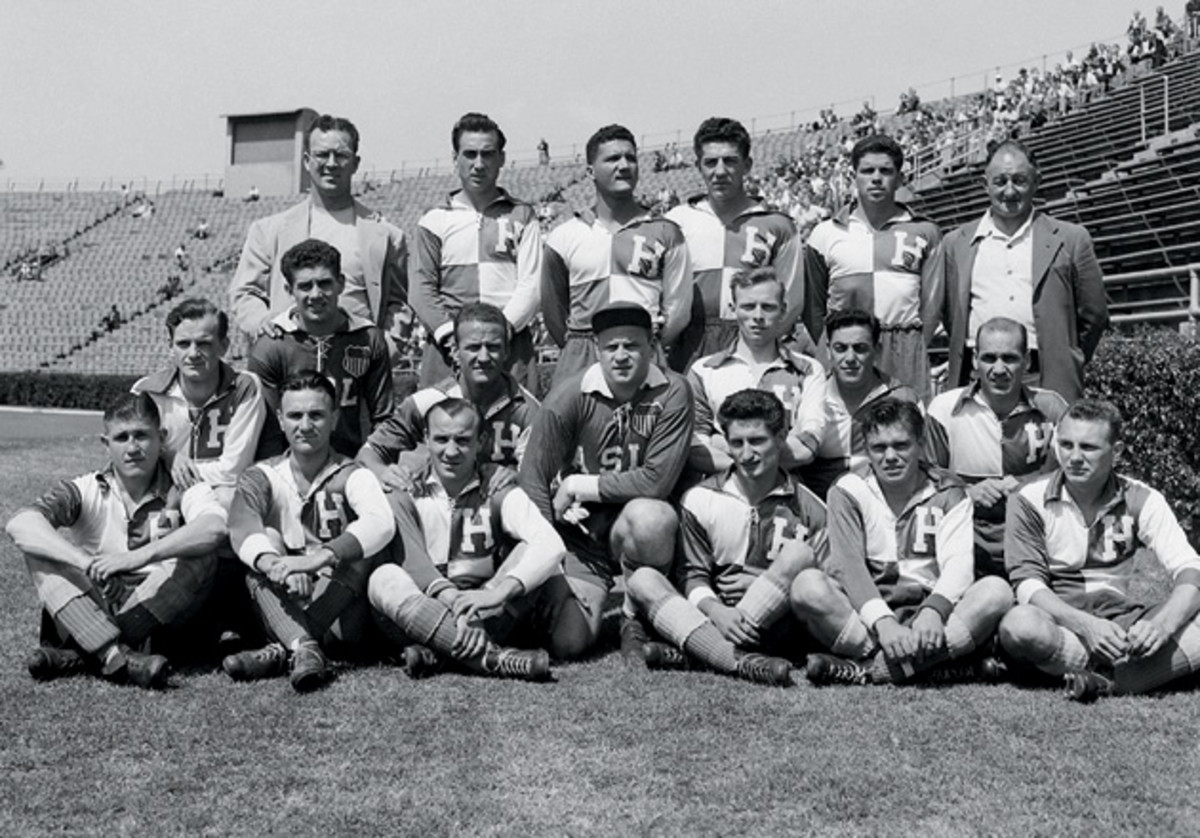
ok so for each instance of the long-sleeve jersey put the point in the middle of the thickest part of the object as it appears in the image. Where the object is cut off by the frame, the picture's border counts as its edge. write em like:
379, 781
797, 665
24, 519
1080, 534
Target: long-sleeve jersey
923, 556
344, 509
633, 449
219, 437
843, 437
798, 381
1049, 545
504, 431
757, 238
355, 359
722, 533
465, 256
587, 267
463, 541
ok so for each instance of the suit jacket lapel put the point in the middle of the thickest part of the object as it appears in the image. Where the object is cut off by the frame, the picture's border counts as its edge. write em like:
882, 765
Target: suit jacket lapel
1046, 242
965, 258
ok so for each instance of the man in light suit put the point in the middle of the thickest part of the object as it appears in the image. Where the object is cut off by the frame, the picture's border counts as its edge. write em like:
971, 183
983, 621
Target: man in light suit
1027, 266
374, 253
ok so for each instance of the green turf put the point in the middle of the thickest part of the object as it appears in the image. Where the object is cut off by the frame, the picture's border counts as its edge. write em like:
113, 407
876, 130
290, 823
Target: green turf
601, 752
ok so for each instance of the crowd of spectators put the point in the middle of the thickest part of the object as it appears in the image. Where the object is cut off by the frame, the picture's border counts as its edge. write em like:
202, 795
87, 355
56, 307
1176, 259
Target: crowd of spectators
27, 263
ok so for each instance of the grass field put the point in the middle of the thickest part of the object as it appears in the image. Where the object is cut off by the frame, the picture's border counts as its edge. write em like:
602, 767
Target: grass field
602, 752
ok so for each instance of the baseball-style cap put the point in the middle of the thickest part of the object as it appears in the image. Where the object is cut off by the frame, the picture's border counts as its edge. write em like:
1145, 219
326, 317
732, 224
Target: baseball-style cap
621, 314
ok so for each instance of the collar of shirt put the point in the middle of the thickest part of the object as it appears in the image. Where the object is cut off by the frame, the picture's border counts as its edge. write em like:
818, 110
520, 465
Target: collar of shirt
435, 487
848, 214
886, 384
160, 485
784, 486
512, 393
987, 229
165, 381
333, 465
593, 380
974, 392
735, 353
455, 200
928, 488
700, 203
589, 217
1113, 494
289, 323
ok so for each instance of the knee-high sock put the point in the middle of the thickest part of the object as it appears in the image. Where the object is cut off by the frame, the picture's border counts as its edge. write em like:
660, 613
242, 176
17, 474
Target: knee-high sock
959, 641
136, 624
1179, 656
427, 622
686, 626
282, 616
853, 641
87, 624
1069, 654
766, 600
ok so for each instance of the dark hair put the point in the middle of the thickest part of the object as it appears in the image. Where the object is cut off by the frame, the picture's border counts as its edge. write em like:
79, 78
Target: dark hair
1003, 324
1010, 145
476, 123
607, 134
310, 253
325, 122
480, 312
1097, 410
877, 144
853, 317
309, 379
453, 408
197, 308
748, 405
132, 407
887, 412
721, 129
758, 276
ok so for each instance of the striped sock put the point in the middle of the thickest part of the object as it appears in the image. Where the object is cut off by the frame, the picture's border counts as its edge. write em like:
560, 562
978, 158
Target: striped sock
766, 600
428, 622
87, 624
959, 640
1069, 654
707, 643
853, 641
283, 618
1179, 656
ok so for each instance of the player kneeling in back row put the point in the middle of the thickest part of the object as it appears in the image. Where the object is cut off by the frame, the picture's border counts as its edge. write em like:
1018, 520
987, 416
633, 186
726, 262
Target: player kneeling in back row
481, 564
140, 554
1071, 543
311, 524
747, 533
900, 595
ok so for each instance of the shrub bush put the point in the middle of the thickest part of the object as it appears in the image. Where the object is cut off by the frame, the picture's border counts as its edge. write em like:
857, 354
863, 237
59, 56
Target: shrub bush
62, 389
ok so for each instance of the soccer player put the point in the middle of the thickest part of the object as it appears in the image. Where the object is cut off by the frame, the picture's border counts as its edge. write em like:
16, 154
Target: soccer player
481, 565
1071, 544
757, 358
311, 525
613, 440
728, 231
898, 595
315, 333
746, 535
854, 381
482, 244
506, 409
211, 413
616, 252
877, 254
138, 554
995, 435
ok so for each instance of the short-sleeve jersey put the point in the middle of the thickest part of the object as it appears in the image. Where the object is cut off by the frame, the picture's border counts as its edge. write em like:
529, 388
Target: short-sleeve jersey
722, 533
355, 359
1049, 545
757, 238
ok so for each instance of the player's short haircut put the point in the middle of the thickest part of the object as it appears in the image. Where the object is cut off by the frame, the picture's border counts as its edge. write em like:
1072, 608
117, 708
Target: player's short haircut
326, 123
309, 379
853, 317
453, 408
476, 123
877, 144
133, 407
722, 129
310, 253
480, 312
606, 135
749, 405
889, 412
758, 276
1015, 146
1097, 410
197, 308
1004, 324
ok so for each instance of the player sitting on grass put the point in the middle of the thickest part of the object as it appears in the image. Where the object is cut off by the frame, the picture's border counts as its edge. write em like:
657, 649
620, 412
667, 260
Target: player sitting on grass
759, 359
898, 596
138, 554
1071, 543
506, 409
481, 565
746, 534
311, 525
613, 440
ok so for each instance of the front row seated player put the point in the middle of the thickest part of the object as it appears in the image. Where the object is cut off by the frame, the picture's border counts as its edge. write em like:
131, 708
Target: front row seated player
311, 525
746, 535
606, 451
138, 554
1071, 545
481, 565
899, 595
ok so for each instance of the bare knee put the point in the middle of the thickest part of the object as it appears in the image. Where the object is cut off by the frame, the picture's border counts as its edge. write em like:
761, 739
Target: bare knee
1027, 632
795, 557
993, 594
812, 592
644, 534
646, 584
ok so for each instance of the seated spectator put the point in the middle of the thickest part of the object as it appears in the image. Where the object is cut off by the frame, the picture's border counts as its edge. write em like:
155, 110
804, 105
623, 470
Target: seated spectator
182, 260
113, 320
201, 231
543, 149
252, 195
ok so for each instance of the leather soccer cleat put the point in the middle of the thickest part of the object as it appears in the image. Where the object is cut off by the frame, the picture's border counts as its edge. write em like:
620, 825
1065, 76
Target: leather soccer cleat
1086, 687
421, 662
48, 662
659, 655
310, 670
993, 670
764, 669
267, 662
522, 664
823, 670
146, 671
633, 640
